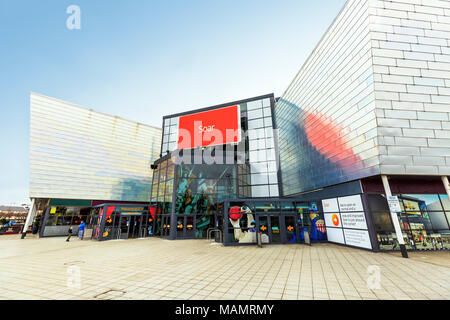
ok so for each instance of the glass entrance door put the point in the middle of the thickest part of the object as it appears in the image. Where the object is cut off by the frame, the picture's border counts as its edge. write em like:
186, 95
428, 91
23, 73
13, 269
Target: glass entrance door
130, 226
165, 226
136, 224
124, 225
290, 223
263, 227
181, 225
275, 229
190, 227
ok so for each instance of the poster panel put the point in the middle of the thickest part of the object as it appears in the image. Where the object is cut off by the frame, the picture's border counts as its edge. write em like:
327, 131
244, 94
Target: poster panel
357, 238
351, 204
330, 205
210, 128
333, 220
335, 235
354, 220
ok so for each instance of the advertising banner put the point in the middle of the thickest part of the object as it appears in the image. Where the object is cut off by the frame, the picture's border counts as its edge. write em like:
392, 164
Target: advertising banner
354, 220
210, 128
335, 235
357, 238
394, 204
333, 220
346, 223
330, 205
350, 204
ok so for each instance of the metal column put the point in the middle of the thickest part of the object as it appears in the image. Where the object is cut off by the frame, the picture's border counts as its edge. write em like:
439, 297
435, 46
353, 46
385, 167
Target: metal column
30, 217
397, 228
446, 185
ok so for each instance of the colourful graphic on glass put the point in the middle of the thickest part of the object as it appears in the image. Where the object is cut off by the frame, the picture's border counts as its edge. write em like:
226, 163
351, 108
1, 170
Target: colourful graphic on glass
318, 149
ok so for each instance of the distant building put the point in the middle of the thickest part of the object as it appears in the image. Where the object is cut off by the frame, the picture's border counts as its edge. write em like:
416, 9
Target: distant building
80, 158
12, 213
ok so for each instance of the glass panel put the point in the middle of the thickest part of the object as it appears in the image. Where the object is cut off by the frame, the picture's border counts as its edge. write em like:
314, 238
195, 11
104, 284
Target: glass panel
255, 114
156, 176
273, 178
161, 190
203, 223
260, 178
270, 143
154, 191
291, 229
254, 124
170, 172
190, 232
252, 105
271, 155
274, 192
260, 191
420, 202
438, 220
180, 227
275, 229
260, 167
264, 228
419, 221
267, 207
261, 143
268, 122
445, 202
272, 166
288, 207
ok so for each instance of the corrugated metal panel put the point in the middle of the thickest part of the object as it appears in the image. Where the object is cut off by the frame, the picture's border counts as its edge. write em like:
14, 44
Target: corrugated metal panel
76, 153
326, 118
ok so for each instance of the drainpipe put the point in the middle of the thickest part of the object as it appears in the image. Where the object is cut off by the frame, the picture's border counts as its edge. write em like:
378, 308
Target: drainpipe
394, 217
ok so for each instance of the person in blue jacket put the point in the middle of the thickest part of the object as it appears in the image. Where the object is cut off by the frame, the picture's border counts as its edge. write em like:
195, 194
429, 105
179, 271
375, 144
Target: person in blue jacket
81, 230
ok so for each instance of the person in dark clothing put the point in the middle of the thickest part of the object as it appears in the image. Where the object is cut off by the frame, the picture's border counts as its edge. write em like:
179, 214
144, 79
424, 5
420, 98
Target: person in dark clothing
70, 233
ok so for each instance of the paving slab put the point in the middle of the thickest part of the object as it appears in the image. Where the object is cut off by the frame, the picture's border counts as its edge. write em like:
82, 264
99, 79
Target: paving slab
154, 269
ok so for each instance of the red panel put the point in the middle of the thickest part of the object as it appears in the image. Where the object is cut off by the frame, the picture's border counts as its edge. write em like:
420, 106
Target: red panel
327, 138
152, 211
210, 128
109, 211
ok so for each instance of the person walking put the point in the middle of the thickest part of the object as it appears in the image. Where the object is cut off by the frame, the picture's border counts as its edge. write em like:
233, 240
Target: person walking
70, 233
81, 230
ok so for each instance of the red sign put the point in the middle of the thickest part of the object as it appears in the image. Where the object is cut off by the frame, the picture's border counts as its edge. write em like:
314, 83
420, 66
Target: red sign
210, 128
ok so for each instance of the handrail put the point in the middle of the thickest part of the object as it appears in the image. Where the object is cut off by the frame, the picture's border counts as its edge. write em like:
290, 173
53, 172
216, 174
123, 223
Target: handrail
211, 230
143, 231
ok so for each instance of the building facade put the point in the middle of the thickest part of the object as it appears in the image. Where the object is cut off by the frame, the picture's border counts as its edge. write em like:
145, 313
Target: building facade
356, 151
80, 158
192, 180
372, 103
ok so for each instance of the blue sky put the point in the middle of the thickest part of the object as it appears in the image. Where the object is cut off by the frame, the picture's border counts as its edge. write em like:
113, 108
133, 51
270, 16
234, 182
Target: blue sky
142, 59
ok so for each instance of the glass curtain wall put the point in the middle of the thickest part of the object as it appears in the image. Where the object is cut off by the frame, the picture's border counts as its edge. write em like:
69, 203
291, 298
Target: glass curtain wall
68, 216
199, 190
162, 193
